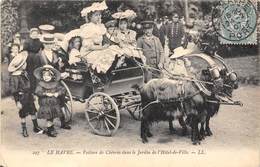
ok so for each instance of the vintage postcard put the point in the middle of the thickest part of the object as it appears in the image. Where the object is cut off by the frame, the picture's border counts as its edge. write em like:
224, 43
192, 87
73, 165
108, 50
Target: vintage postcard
130, 83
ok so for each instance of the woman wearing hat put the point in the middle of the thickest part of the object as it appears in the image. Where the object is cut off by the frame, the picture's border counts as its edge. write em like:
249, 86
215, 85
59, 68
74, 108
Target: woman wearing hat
20, 89
49, 91
93, 31
125, 35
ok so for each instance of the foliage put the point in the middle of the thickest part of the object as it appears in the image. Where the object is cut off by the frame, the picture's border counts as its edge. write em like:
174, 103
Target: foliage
9, 20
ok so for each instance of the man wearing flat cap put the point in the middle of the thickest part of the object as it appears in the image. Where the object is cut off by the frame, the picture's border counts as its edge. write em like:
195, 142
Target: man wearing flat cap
152, 50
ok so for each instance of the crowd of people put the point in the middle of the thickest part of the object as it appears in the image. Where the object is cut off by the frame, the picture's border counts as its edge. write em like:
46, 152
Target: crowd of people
36, 65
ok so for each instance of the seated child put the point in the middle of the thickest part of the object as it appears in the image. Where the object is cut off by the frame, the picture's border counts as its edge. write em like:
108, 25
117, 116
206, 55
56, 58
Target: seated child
109, 38
75, 44
20, 89
50, 93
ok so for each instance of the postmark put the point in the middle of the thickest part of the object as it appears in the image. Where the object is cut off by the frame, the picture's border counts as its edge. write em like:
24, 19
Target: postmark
235, 21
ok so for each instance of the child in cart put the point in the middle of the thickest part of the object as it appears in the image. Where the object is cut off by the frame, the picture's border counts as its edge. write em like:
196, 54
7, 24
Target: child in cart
20, 89
50, 93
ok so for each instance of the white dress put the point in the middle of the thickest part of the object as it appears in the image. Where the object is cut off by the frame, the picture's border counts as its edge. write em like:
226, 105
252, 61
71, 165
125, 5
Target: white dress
101, 60
74, 56
91, 34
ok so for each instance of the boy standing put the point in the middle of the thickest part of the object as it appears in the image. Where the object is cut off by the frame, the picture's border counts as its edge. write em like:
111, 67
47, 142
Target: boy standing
20, 89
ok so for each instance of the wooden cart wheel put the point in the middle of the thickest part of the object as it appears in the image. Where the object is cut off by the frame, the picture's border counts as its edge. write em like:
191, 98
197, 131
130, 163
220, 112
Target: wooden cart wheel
68, 103
102, 114
135, 111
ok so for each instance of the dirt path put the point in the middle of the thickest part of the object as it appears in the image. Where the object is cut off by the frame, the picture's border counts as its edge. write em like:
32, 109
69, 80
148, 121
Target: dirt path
235, 128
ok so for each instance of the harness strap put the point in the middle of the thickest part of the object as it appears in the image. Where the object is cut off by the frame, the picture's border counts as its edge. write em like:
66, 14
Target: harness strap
153, 102
180, 99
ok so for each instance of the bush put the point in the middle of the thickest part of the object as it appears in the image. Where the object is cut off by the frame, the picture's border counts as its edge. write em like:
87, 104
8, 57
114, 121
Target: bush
9, 20
4, 80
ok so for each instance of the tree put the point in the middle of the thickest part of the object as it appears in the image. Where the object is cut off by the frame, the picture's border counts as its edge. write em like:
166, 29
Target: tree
9, 20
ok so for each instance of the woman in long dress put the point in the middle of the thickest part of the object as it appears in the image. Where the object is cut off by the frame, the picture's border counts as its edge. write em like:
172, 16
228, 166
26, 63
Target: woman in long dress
98, 57
92, 33
126, 36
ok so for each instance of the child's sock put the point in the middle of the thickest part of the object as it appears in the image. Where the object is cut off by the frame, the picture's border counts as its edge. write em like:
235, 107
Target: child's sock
64, 125
24, 130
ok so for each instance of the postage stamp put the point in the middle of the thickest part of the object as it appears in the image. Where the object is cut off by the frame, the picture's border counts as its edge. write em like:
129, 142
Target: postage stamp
235, 21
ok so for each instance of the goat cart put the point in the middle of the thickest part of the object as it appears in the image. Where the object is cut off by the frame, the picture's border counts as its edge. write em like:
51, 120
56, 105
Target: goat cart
213, 77
104, 101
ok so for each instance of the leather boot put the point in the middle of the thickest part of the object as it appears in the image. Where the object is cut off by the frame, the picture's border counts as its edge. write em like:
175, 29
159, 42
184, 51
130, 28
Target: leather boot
36, 127
64, 125
24, 130
50, 131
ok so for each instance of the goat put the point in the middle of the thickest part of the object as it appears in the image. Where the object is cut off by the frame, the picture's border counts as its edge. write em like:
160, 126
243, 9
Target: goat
231, 82
162, 100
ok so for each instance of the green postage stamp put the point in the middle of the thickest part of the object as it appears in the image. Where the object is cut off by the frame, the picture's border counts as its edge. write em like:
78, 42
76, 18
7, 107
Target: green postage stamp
235, 21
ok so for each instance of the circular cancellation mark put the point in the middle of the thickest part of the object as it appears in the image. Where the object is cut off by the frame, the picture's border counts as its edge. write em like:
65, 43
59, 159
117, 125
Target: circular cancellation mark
234, 20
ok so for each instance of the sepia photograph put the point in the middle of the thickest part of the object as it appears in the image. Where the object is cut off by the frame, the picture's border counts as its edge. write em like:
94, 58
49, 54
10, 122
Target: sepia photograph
130, 83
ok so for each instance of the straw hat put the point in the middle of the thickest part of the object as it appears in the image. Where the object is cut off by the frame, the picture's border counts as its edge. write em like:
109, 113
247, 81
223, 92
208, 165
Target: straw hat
34, 29
128, 14
59, 36
55, 73
46, 28
179, 52
47, 38
18, 61
97, 6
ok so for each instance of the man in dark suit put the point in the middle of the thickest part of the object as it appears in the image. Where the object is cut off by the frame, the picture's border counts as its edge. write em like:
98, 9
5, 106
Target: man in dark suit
174, 32
32, 46
158, 30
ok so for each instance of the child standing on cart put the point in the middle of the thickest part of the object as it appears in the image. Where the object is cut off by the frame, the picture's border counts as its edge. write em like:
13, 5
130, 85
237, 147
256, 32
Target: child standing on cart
50, 93
20, 89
